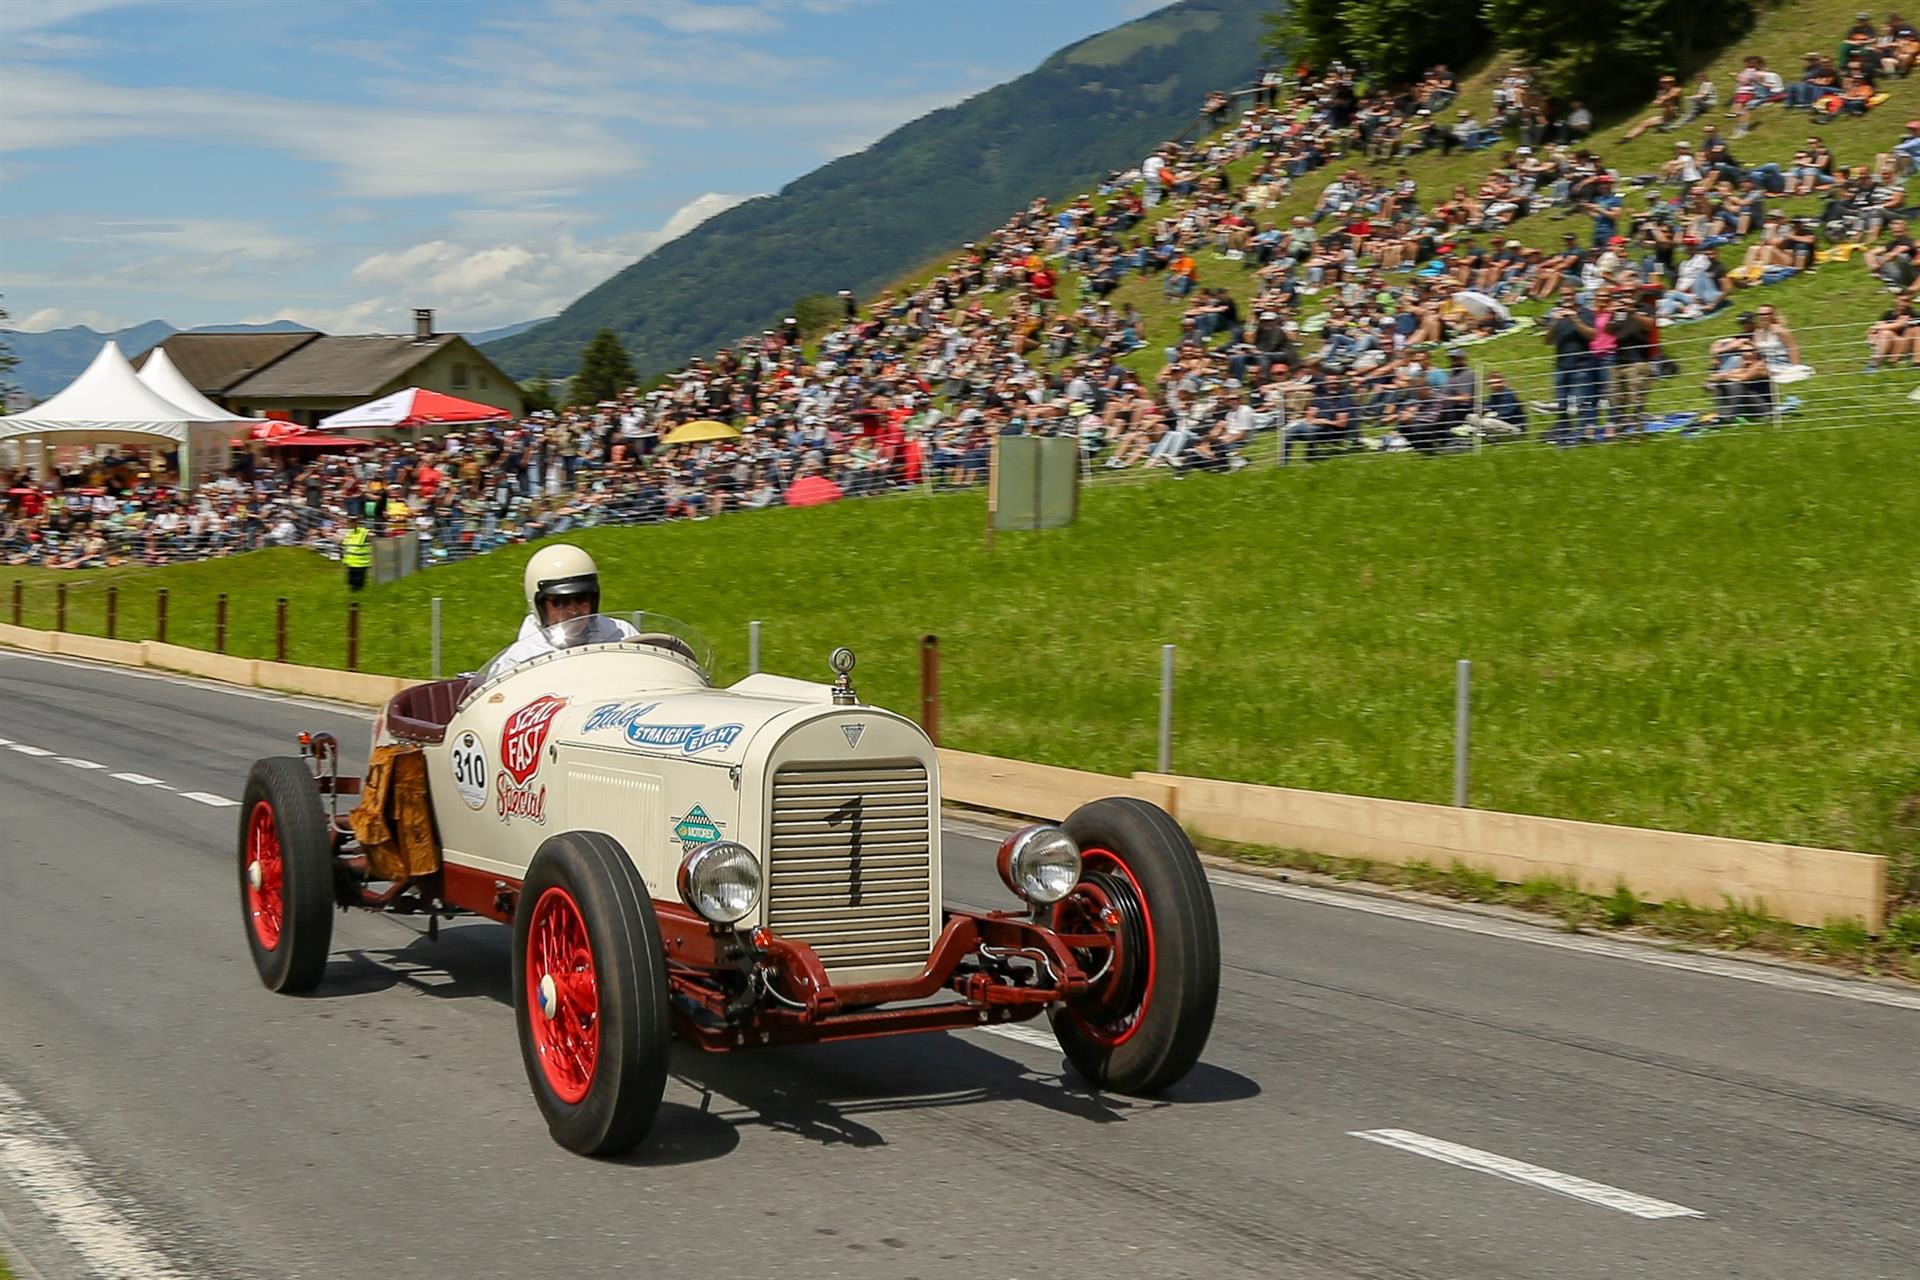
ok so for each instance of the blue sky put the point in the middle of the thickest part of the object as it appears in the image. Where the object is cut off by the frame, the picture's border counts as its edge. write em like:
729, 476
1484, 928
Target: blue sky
342, 162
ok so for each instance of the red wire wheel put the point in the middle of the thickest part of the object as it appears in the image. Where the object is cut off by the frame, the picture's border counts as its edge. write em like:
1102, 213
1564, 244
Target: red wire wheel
563, 994
286, 871
590, 993
1109, 900
261, 879
1145, 1020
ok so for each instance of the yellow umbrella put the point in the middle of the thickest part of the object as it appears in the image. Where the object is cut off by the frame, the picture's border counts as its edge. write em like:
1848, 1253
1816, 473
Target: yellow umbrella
700, 431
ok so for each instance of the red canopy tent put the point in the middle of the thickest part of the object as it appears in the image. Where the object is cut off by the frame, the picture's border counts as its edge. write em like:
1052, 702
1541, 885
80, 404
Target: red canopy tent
320, 440
413, 408
274, 429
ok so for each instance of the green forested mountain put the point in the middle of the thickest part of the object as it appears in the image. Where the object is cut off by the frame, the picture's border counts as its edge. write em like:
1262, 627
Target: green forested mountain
926, 187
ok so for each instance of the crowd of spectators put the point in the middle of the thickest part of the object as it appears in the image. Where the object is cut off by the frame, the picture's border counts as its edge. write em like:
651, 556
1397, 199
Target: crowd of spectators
1341, 327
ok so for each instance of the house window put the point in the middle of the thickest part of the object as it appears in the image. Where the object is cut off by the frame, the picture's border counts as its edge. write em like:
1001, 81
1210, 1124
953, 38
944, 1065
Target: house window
484, 384
459, 375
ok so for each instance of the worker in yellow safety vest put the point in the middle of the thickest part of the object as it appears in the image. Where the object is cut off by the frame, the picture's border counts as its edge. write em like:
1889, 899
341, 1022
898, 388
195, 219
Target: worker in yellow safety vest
356, 552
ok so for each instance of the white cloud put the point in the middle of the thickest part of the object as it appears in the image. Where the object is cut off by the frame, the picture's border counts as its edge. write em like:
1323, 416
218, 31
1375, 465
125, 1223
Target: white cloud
375, 151
704, 19
55, 318
479, 285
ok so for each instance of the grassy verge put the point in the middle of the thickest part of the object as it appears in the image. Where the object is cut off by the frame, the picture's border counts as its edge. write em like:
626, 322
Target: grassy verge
1735, 926
1713, 635
6, 1272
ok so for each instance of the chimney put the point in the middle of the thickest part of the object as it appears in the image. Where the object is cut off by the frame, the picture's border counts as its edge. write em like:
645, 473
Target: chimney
422, 323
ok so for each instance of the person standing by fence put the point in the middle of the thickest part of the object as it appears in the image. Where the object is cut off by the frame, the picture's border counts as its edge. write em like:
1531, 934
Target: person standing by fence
356, 552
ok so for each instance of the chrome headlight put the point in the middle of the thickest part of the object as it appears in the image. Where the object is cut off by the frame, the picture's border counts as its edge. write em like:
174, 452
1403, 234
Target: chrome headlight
721, 881
1040, 863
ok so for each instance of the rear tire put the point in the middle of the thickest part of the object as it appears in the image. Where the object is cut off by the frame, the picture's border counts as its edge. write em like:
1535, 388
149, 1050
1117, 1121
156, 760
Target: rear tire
590, 994
286, 875
1144, 1024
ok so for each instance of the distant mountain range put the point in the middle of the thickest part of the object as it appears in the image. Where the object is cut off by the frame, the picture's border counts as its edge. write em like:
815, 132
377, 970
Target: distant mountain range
862, 221
50, 360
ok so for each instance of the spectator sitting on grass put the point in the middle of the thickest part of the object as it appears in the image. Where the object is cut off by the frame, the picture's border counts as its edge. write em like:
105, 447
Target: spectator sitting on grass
1898, 46
1666, 109
1502, 415
1906, 152
1741, 384
1894, 335
1894, 261
1329, 417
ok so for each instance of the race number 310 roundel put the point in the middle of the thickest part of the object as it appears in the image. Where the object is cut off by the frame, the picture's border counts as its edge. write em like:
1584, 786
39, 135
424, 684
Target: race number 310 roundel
470, 769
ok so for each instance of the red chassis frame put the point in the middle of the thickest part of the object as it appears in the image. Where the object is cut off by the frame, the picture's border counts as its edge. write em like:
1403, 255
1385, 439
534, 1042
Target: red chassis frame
735, 989
720, 978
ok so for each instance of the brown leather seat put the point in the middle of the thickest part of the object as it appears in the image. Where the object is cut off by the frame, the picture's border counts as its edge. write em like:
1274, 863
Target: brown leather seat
421, 713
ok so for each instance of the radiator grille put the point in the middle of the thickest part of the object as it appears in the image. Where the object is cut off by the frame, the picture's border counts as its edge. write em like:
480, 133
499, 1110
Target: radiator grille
850, 868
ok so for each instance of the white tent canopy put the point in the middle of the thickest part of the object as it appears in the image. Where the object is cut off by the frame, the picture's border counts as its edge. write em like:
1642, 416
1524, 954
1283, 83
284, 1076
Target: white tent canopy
160, 375
108, 404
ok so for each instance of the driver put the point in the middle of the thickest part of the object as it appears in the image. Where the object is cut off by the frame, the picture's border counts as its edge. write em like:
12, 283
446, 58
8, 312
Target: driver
563, 608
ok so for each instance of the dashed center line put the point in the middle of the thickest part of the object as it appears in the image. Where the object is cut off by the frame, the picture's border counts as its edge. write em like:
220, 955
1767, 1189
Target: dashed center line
207, 798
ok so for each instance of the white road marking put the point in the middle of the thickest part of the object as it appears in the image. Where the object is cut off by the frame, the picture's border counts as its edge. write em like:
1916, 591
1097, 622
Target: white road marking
77, 762
1532, 1174
140, 780
1713, 966
1024, 1034
26, 750
218, 802
62, 1184
1710, 966
191, 682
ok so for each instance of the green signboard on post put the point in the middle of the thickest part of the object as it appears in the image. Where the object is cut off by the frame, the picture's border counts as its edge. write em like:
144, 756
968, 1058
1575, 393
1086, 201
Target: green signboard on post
1034, 482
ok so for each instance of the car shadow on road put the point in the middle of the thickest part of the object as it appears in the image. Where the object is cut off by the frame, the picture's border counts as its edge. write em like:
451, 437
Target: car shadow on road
841, 1094
467, 962
833, 1094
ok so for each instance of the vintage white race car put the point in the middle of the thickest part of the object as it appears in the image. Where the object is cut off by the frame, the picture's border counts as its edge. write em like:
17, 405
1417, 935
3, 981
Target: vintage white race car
749, 865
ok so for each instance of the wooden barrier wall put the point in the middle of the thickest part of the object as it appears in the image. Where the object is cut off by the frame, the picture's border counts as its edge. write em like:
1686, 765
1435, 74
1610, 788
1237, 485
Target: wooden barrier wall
1801, 885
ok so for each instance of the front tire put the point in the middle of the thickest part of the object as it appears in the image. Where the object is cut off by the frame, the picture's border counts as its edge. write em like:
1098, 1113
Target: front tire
286, 875
590, 994
1145, 1022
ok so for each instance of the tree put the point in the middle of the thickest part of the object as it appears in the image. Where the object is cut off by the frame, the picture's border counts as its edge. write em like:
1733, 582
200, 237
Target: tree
1609, 52
537, 392
8, 360
1392, 40
1306, 31
605, 370
817, 313
1396, 40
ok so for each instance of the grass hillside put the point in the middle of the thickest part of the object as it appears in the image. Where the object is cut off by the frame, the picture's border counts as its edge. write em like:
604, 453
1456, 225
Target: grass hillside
1836, 300
1096, 105
1711, 635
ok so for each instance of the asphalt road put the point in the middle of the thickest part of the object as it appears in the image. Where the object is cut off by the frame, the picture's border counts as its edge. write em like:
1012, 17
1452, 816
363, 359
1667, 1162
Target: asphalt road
162, 1113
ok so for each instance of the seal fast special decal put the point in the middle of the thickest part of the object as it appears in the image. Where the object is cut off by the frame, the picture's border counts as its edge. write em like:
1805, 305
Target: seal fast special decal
630, 719
521, 739
470, 769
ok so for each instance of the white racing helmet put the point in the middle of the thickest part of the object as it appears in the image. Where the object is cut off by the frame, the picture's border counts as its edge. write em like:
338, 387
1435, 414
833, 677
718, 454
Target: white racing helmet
558, 573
